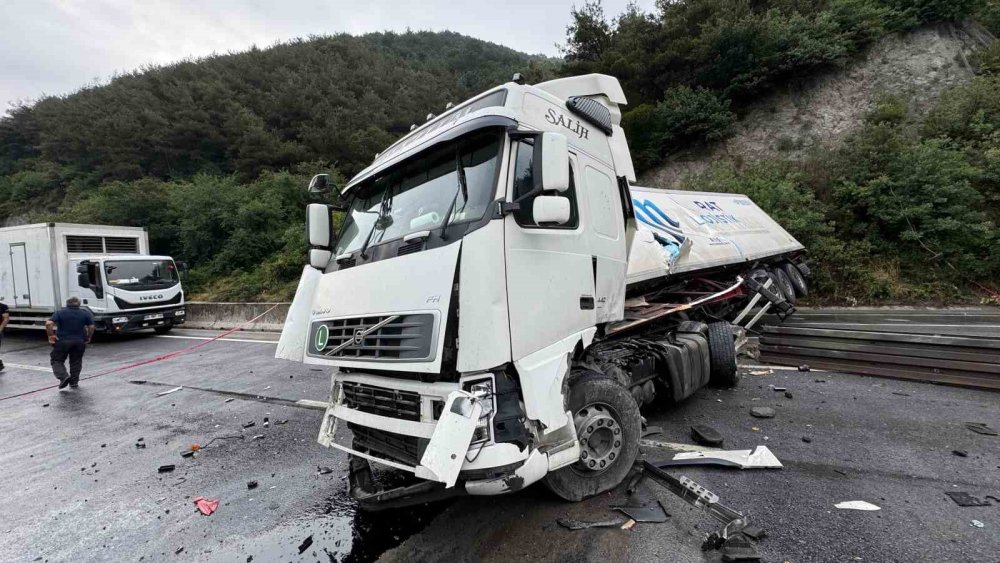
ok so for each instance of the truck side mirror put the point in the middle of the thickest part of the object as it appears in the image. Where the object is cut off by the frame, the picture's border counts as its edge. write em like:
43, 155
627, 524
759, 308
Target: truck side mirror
319, 227
320, 184
319, 258
550, 210
83, 267
83, 279
554, 162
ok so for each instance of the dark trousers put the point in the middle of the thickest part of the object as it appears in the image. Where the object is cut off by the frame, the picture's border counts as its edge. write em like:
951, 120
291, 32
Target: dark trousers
72, 349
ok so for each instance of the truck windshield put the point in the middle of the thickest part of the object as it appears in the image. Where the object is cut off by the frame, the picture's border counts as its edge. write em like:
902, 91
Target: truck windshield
417, 195
138, 275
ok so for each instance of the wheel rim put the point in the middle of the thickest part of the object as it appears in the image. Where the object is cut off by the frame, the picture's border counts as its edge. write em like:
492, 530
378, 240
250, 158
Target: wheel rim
599, 429
795, 276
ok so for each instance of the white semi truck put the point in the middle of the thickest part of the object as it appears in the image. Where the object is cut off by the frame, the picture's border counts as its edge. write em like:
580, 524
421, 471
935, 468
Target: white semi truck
108, 268
500, 300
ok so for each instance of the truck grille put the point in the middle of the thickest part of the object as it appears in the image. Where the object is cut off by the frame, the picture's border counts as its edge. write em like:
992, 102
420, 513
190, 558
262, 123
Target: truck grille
396, 447
381, 401
407, 337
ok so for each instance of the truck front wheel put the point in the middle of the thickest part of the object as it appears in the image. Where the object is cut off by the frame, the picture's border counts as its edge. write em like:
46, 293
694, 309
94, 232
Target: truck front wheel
608, 426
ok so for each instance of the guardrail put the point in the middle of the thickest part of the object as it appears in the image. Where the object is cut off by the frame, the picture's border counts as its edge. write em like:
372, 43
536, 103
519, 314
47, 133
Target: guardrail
949, 346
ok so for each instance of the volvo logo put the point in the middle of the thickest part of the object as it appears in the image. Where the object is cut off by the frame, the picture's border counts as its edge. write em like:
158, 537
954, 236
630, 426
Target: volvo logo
151, 297
359, 335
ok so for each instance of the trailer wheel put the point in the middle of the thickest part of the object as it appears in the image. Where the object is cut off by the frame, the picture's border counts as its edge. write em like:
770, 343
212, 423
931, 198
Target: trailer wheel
796, 278
722, 355
784, 284
608, 426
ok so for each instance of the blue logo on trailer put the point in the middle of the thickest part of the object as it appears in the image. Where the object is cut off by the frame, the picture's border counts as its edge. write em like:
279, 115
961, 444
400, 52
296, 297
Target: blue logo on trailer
650, 214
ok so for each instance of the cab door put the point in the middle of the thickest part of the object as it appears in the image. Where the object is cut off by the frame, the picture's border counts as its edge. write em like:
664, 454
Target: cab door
550, 271
87, 283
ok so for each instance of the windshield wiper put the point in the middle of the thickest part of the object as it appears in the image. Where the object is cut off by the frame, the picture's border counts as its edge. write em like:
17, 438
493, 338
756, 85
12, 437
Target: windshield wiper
383, 214
463, 188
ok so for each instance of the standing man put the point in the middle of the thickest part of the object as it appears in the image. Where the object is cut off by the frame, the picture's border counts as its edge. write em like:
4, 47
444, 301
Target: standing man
4, 318
70, 330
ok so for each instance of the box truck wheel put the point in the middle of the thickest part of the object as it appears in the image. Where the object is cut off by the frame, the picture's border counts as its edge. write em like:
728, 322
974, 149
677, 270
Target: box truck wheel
608, 426
163, 329
784, 284
796, 278
722, 355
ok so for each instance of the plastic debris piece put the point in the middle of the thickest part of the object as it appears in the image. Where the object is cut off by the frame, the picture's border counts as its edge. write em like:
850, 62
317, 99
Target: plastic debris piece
250, 424
807, 439
651, 430
187, 453
652, 514
206, 506
229, 400
739, 548
706, 435
166, 468
981, 428
965, 499
856, 505
977, 524
755, 532
571, 524
779, 389
305, 544
788, 394
169, 391
324, 470
960, 453
804, 367
760, 372
628, 525
762, 412
757, 458
258, 437
285, 421
140, 445
251, 485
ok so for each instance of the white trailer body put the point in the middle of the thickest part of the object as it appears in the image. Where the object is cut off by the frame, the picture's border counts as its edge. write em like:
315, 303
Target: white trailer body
109, 268
494, 269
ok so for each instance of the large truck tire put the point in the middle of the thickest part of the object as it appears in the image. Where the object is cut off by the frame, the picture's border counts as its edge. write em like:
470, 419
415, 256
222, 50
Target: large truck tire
722, 355
796, 278
784, 284
608, 426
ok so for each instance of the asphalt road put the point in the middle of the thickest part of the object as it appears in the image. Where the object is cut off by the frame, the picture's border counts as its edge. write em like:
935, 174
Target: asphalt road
76, 486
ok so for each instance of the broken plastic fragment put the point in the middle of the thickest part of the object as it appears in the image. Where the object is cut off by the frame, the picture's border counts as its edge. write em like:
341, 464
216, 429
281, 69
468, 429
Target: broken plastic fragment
758, 458
206, 506
571, 524
856, 505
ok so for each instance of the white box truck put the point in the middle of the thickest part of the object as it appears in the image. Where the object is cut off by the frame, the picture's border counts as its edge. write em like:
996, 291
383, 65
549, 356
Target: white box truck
500, 300
108, 268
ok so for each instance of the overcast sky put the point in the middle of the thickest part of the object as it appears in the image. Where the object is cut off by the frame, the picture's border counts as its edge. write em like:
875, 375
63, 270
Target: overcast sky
56, 46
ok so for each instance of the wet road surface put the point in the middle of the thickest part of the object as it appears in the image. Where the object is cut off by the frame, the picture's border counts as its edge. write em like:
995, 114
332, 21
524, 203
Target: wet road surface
76, 486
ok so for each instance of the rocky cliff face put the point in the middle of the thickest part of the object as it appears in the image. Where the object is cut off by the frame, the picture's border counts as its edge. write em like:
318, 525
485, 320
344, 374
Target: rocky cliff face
821, 109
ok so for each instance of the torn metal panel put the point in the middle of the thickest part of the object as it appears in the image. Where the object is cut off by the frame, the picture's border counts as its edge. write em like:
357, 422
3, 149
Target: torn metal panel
541, 375
757, 458
652, 514
292, 343
445, 454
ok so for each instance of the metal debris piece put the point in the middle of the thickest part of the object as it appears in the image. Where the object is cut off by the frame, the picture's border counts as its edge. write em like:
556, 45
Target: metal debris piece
900, 394
571, 524
169, 391
229, 400
187, 453
965, 499
738, 548
251, 485
804, 367
807, 439
788, 394
856, 505
305, 544
628, 525
285, 421
981, 428
761, 372
651, 430
762, 412
757, 458
140, 445
755, 532
324, 470
706, 435
250, 424
779, 389
960, 453
258, 437
166, 468
652, 514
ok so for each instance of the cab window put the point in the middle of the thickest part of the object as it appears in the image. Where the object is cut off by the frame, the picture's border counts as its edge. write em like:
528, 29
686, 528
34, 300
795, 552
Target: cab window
524, 182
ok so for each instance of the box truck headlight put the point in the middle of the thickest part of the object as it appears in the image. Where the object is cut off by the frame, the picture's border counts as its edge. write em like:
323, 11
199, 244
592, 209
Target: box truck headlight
120, 320
179, 313
482, 388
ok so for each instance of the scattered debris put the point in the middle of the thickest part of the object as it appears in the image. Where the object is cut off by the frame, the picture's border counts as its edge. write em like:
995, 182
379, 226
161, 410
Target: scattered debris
178, 550
305, 544
285, 421
977, 524
628, 525
206, 506
187, 453
844, 473
195, 447
571, 524
981, 428
779, 389
755, 532
762, 412
788, 394
250, 424
805, 367
166, 468
258, 437
140, 445
652, 514
807, 439
738, 548
856, 505
960, 453
965, 499
757, 458
169, 391
761, 372
251, 485
706, 435
229, 400
45, 405
324, 470
267, 422
820, 380
651, 430
900, 394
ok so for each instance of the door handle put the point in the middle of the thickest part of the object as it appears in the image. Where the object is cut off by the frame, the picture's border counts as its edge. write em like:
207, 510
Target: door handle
586, 302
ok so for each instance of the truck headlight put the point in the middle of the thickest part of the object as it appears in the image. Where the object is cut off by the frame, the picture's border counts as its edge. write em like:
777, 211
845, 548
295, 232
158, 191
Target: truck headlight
482, 388
179, 313
119, 320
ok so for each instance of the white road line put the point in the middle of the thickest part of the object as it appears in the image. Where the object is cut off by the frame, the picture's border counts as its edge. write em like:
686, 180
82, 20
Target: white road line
210, 338
33, 368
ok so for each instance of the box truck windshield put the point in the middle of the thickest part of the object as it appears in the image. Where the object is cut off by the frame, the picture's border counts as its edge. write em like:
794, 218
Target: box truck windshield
421, 194
139, 275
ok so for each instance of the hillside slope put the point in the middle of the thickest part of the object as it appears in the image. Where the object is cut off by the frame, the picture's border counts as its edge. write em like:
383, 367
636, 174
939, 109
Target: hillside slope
819, 111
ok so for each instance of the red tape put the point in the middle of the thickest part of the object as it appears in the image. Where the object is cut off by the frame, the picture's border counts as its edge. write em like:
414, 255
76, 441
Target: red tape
132, 365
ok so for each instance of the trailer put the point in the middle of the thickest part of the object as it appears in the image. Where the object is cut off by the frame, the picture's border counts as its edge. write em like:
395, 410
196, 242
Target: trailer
501, 299
108, 268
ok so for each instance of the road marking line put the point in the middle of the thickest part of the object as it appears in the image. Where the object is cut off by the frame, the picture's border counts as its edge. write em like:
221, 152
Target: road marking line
219, 339
33, 368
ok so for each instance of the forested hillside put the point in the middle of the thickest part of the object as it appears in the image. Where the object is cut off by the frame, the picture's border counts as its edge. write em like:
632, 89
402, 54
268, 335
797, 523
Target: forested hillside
212, 154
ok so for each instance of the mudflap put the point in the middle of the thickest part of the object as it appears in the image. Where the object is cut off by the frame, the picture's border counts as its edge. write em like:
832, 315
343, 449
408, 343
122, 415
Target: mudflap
372, 498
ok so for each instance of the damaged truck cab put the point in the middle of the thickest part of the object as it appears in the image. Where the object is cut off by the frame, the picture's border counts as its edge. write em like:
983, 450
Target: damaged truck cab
495, 308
